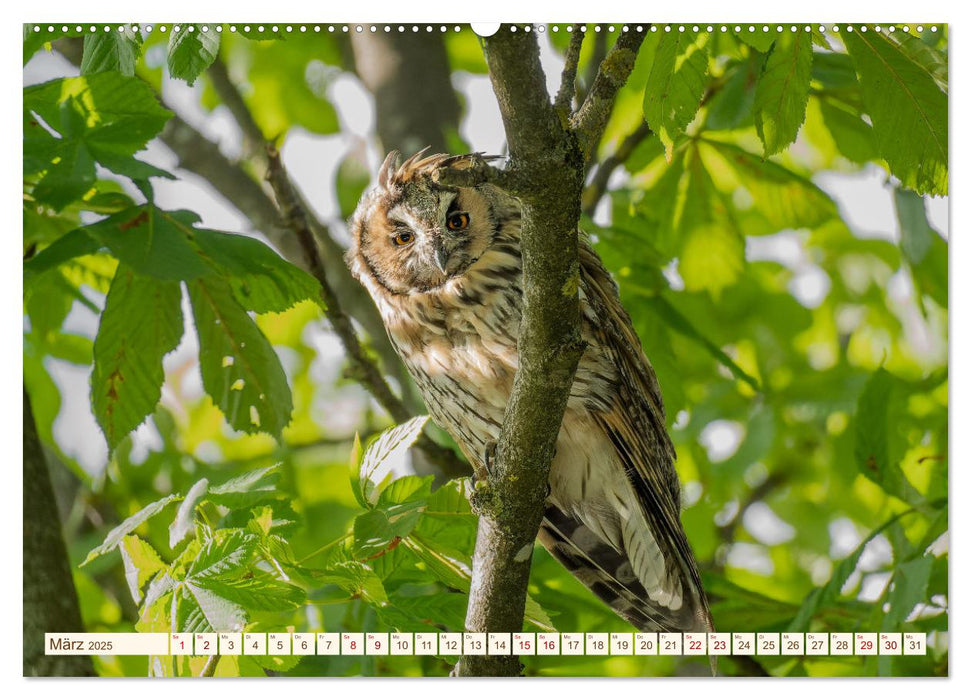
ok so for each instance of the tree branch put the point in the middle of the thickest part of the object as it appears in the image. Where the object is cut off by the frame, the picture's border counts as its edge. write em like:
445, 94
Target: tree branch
598, 185
545, 154
568, 78
253, 138
591, 118
296, 219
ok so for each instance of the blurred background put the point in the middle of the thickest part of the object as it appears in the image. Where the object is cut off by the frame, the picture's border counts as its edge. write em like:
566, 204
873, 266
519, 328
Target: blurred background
764, 338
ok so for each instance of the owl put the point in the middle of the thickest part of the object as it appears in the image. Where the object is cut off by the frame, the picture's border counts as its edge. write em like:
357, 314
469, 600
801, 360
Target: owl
443, 266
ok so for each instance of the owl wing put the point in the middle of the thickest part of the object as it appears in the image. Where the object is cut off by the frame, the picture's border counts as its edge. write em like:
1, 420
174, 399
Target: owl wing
635, 557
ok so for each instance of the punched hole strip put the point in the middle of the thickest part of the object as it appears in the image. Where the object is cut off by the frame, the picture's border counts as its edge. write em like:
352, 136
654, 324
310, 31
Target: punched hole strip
492, 644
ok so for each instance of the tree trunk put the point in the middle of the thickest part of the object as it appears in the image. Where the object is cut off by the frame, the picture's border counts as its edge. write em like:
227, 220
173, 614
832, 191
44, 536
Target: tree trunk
408, 74
50, 601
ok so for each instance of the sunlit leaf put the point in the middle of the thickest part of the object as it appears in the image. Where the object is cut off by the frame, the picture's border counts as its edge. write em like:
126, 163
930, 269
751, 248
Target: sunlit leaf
114, 50
192, 50
141, 564
676, 85
783, 90
908, 109
240, 370
114, 538
385, 452
126, 383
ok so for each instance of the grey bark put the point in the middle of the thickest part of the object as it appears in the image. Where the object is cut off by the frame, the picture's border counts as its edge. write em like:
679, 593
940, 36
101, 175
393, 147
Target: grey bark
408, 74
50, 600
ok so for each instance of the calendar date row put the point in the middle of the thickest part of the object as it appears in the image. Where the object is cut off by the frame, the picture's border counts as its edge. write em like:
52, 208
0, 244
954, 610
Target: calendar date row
492, 644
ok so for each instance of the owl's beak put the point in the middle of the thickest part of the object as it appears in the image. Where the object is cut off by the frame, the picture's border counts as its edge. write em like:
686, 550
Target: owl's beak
441, 258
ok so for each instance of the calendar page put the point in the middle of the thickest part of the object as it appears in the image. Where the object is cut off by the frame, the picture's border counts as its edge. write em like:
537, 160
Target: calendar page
386, 348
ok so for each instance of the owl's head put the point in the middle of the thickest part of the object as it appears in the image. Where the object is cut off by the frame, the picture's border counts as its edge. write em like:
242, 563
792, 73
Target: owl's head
411, 234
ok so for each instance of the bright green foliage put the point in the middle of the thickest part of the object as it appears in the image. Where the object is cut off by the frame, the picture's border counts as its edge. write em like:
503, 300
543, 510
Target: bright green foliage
126, 383
111, 51
240, 371
908, 109
835, 390
676, 85
881, 422
261, 280
783, 90
104, 118
192, 50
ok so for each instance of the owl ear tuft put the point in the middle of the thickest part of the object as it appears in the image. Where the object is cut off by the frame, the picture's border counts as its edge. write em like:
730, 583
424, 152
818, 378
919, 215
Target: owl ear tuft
388, 169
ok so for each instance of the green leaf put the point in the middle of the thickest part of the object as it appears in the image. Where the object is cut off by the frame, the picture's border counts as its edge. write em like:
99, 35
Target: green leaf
835, 71
759, 40
931, 274
376, 530
114, 538
102, 117
731, 106
782, 197
200, 610
141, 564
141, 323
262, 281
358, 579
916, 235
260, 593
881, 421
111, 51
405, 490
925, 55
240, 370
909, 588
153, 242
712, 258
227, 554
71, 245
827, 594
853, 137
712, 254
34, 41
184, 522
247, 490
907, 108
676, 84
783, 91
191, 51
387, 450
683, 325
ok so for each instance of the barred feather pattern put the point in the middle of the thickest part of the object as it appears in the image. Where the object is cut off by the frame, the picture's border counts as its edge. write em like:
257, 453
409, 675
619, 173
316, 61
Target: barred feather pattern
613, 511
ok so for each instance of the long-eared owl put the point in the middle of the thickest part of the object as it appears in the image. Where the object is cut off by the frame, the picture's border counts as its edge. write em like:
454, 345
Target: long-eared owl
443, 265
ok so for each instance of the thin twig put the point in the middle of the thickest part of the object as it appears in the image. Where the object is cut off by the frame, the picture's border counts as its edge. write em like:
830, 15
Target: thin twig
593, 65
568, 78
209, 670
296, 219
598, 185
591, 118
229, 94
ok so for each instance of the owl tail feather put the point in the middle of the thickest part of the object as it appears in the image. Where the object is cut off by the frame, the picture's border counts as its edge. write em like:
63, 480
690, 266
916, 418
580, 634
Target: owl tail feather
606, 572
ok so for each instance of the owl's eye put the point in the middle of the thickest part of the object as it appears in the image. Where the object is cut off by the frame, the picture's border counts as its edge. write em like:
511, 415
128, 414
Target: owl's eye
457, 221
403, 238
